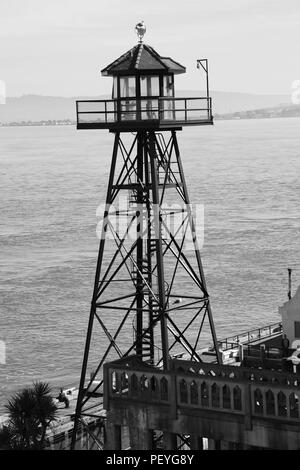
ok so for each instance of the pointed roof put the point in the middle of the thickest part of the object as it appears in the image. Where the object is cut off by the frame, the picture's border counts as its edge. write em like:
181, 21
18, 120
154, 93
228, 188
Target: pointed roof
142, 58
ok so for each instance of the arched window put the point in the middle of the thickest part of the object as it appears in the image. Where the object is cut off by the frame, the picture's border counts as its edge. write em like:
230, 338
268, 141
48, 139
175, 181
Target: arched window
153, 385
183, 391
270, 403
282, 406
226, 397
194, 393
164, 394
258, 401
144, 383
204, 394
294, 405
134, 384
215, 395
124, 382
115, 382
237, 398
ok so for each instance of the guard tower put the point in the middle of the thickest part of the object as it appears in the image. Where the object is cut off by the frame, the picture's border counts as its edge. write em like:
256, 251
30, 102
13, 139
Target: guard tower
150, 301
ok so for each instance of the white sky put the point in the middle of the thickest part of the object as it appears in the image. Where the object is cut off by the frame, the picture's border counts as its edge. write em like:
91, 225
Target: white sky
58, 47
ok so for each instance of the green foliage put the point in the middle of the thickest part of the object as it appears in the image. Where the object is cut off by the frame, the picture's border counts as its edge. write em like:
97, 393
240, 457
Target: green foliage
30, 413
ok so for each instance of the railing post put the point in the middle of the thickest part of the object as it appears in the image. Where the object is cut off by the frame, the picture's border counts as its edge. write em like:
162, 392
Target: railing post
77, 112
241, 352
118, 110
138, 108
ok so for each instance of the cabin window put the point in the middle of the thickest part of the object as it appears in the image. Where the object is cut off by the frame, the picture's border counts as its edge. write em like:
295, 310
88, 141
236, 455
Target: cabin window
150, 85
297, 329
168, 85
115, 88
127, 87
149, 109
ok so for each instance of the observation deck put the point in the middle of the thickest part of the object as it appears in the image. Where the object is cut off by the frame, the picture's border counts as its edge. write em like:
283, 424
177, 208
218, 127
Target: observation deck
128, 114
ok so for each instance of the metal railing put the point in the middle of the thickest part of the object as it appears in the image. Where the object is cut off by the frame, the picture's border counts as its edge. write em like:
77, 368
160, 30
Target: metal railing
127, 110
251, 336
84, 439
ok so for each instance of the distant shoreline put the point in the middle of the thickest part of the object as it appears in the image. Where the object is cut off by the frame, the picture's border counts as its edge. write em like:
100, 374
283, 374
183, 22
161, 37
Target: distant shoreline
234, 117
65, 122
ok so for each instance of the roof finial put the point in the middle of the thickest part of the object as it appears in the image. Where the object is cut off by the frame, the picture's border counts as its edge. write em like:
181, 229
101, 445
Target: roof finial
140, 30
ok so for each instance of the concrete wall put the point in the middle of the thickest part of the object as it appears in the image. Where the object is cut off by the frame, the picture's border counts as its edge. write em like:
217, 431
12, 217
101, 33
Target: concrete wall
229, 432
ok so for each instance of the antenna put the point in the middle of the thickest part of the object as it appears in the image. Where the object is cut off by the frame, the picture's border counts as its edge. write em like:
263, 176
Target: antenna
290, 283
203, 63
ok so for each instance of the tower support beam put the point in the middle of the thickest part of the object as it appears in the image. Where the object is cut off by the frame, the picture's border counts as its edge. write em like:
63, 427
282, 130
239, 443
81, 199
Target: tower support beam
150, 297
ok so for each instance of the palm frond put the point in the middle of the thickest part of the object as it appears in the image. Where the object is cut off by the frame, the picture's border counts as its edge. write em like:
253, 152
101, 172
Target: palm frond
30, 412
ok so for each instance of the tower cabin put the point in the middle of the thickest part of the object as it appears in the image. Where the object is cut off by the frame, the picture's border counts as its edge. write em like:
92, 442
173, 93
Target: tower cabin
143, 96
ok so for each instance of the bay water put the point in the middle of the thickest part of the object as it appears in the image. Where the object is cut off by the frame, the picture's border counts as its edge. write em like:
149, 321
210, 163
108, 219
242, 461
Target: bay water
52, 179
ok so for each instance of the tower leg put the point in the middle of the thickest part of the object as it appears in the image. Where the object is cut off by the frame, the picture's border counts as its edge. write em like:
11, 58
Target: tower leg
170, 441
81, 391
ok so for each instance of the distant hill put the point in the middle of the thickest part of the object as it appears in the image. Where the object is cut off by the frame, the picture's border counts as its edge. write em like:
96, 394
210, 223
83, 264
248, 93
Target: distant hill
229, 102
292, 110
39, 108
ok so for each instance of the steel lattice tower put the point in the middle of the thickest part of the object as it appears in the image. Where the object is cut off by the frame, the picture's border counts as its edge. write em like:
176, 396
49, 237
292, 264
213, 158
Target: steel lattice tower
150, 297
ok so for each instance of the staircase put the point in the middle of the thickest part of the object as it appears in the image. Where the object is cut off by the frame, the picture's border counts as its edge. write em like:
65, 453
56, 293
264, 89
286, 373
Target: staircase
145, 272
